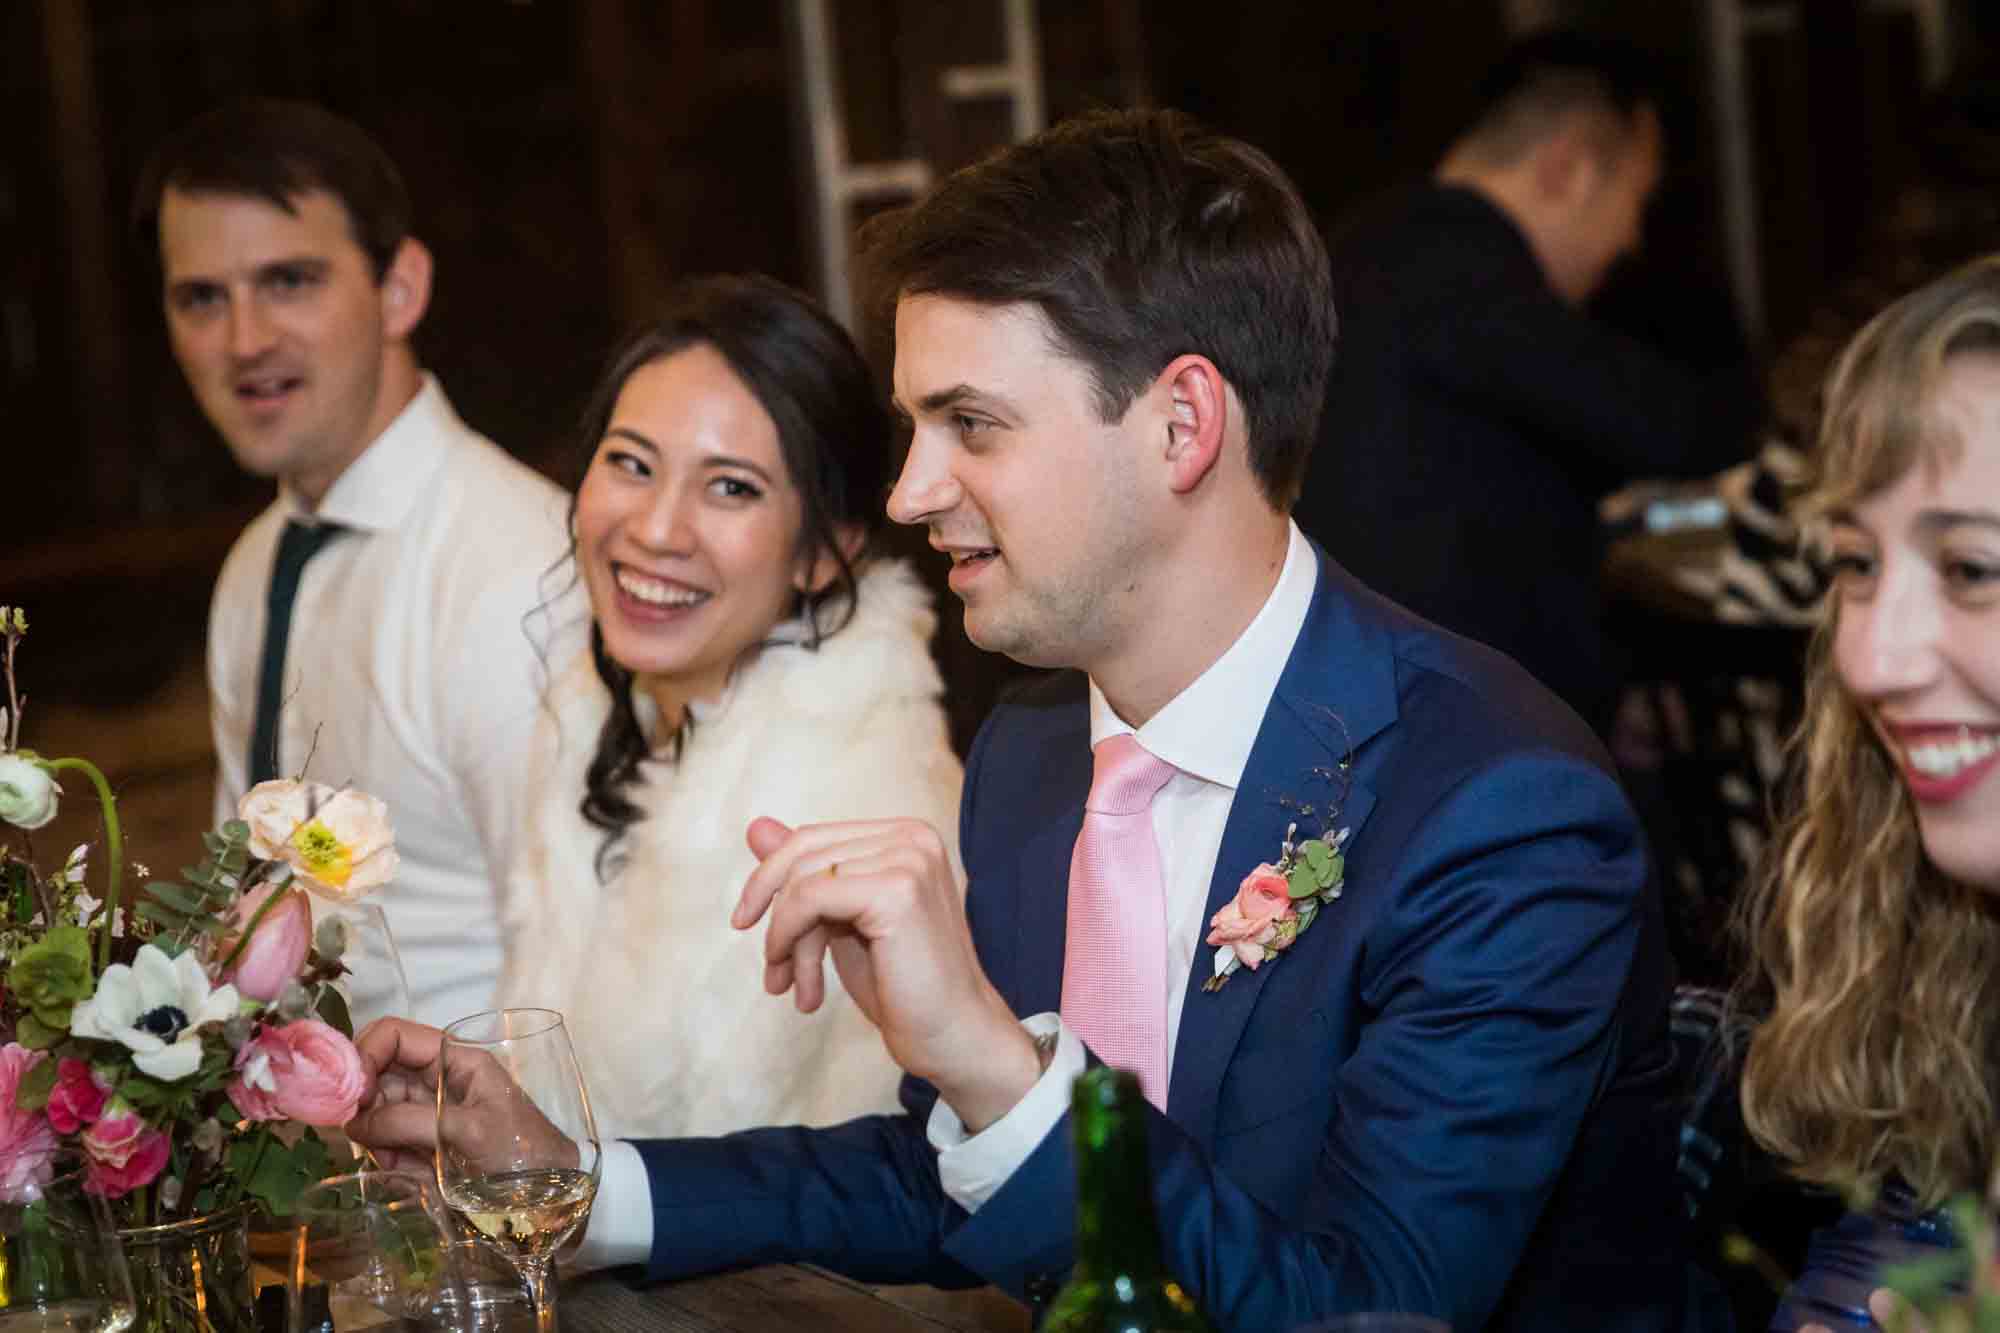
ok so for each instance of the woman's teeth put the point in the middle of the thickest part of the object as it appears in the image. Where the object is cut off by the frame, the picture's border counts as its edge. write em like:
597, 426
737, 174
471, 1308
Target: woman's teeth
1944, 759
658, 592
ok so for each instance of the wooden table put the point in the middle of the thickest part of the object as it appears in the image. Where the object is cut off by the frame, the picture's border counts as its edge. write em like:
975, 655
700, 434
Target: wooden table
781, 1299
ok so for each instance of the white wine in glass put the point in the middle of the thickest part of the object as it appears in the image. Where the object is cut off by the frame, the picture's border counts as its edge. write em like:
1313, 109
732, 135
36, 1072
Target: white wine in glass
527, 1213
518, 1156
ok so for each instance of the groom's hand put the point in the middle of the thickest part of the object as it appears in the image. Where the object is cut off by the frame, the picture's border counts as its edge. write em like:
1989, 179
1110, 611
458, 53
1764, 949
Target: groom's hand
398, 1116
880, 897
489, 1123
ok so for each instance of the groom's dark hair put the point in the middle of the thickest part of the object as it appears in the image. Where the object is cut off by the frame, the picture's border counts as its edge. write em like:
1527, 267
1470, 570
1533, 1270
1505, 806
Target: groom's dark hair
1141, 236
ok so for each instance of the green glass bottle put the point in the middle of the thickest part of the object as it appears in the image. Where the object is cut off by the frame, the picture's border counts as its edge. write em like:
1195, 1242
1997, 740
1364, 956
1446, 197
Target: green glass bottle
1119, 1284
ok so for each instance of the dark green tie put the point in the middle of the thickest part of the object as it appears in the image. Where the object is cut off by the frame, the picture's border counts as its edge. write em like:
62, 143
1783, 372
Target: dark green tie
301, 542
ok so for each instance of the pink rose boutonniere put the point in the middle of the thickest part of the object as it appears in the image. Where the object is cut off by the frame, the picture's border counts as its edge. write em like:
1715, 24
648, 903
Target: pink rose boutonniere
1276, 903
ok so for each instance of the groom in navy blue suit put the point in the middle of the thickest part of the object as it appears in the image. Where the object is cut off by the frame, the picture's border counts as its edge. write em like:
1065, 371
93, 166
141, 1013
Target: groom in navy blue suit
1450, 1094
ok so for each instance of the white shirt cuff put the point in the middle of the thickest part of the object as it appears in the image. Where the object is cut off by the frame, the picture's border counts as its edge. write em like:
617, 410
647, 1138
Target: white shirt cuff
972, 1169
620, 1230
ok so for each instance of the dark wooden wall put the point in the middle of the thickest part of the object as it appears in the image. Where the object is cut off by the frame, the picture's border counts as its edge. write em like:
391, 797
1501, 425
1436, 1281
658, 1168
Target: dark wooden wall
570, 160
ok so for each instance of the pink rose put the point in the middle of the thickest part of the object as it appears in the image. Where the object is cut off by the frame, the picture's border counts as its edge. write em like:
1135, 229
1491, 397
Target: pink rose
121, 1153
277, 950
78, 1098
27, 1140
303, 1071
1248, 924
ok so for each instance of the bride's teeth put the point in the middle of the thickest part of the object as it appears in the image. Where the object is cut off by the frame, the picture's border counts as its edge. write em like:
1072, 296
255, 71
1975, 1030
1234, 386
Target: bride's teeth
653, 592
1943, 759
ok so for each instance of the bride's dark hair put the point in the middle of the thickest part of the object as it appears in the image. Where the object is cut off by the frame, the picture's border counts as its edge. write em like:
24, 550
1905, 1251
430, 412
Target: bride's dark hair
833, 433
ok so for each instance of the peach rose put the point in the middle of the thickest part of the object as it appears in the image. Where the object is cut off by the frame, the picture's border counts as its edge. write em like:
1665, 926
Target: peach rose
304, 1071
1248, 923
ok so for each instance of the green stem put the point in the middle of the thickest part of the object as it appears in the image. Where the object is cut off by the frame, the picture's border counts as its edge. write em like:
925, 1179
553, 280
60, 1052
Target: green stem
242, 1183
114, 844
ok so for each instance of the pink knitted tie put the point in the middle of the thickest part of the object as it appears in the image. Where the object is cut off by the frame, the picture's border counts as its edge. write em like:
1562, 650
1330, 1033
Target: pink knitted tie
1114, 992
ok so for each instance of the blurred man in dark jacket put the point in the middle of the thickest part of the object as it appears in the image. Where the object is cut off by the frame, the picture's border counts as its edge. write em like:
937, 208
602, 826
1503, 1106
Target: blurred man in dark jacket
1476, 414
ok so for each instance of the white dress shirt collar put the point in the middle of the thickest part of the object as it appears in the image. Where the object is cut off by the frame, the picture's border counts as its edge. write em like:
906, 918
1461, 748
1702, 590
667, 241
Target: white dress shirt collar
377, 489
1206, 730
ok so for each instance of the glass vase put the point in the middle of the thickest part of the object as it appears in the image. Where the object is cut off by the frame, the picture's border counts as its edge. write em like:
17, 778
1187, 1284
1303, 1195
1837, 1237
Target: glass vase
192, 1276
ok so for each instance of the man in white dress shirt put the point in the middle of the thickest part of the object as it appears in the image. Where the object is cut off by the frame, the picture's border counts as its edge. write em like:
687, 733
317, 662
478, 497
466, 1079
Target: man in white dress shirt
1446, 1096
385, 622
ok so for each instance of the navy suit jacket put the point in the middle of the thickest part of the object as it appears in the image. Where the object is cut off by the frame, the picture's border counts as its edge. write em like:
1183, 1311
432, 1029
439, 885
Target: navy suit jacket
1449, 1096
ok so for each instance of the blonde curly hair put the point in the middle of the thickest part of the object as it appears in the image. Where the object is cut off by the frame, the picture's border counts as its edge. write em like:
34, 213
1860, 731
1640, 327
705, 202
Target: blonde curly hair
1879, 975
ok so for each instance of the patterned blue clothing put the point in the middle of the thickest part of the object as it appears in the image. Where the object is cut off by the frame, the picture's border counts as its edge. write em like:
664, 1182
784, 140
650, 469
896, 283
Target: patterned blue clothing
1845, 1261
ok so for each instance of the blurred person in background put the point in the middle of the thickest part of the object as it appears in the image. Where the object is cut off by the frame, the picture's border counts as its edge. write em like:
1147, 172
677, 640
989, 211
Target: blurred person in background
1873, 937
1476, 414
746, 657
383, 622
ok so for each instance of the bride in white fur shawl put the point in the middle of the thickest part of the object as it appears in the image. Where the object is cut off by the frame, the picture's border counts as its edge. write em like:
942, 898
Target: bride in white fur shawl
739, 667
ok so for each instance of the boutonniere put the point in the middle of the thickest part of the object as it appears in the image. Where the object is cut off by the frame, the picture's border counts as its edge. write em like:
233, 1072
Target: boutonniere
1276, 904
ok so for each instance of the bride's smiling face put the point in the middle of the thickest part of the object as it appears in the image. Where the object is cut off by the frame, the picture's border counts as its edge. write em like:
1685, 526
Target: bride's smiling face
687, 527
1917, 640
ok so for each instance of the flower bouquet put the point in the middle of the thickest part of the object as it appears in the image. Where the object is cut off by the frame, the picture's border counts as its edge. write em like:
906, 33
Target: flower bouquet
170, 1053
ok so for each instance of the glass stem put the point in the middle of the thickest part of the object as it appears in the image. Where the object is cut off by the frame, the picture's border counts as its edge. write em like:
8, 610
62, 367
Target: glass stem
541, 1279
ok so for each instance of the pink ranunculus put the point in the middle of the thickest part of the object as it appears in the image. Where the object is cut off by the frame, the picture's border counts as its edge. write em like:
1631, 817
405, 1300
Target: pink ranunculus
27, 1140
121, 1152
115, 1136
79, 1096
277, 950
303, 1071
1248, 922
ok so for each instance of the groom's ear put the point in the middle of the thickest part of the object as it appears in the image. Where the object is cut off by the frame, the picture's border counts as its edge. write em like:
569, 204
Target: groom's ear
1197, 408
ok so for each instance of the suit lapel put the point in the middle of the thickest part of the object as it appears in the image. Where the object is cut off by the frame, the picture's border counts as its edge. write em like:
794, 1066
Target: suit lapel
1337, 691
1043, 897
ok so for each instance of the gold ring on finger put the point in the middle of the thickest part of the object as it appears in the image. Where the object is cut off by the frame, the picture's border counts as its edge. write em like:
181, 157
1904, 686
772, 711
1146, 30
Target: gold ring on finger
833, 871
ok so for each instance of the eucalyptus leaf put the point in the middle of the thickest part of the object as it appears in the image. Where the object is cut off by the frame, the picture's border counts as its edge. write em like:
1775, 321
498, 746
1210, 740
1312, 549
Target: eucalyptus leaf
236, 831
161, 916
176, 897
1301, 882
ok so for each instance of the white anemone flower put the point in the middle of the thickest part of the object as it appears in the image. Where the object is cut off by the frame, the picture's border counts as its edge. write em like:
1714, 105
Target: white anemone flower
156, 1008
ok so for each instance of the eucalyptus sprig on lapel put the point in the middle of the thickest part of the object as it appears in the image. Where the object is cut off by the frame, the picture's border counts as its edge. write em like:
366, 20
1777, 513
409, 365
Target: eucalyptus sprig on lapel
1276, 904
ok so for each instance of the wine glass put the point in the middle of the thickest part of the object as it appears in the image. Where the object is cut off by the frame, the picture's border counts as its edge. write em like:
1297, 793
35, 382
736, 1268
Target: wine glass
518, 1155
374, 986
63, 1265
370, 1249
